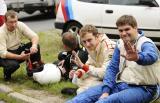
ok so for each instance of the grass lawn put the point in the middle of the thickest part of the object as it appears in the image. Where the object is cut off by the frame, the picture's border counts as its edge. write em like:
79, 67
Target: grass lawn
51, 45
7, 99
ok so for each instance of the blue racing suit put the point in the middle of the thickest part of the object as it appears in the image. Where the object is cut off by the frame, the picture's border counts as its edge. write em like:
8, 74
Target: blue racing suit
121, 92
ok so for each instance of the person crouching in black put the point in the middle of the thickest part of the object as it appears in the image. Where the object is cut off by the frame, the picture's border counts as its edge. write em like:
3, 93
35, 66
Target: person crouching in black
71, 42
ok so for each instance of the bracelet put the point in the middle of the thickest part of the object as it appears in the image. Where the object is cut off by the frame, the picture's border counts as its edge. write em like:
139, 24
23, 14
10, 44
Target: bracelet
79, 74
85, 67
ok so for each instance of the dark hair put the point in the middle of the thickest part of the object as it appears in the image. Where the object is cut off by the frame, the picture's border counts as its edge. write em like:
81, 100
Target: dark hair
126, 20
10, 13
88, 29
70, 40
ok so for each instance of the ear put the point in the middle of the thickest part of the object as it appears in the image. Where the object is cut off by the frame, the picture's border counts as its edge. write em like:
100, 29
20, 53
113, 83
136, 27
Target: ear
97, 36
135, 28
5, 19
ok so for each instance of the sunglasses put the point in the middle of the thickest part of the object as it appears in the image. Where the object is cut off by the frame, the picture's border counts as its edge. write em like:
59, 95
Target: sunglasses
126, 29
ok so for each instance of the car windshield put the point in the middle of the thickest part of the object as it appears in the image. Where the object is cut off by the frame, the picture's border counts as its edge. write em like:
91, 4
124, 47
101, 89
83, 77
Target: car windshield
150, 3
123, 2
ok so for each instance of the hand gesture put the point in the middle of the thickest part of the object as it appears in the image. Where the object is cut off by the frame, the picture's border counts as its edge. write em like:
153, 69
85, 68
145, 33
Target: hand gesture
131, 52
33, 49
71, 73
76, 59
24, 56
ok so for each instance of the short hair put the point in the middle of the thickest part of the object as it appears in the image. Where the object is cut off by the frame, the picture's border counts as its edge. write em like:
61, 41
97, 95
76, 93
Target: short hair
10, 13
70, 40
88, 29
126, 20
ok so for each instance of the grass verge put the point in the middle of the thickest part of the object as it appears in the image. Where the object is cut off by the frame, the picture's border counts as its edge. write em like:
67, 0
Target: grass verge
6, 99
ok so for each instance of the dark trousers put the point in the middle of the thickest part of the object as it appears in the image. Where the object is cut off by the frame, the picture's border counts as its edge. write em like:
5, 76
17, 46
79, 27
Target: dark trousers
11, 65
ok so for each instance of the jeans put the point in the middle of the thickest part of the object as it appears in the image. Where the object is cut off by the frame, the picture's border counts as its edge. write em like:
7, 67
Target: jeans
121, 93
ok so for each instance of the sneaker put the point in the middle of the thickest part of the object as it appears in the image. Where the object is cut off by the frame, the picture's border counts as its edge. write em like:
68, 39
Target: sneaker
69, 91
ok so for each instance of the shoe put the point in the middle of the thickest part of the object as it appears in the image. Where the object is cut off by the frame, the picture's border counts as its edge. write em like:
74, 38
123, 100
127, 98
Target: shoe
7, 77
69, 91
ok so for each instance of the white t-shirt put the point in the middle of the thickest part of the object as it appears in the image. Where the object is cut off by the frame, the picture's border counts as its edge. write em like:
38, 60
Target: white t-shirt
3, 7
12, 40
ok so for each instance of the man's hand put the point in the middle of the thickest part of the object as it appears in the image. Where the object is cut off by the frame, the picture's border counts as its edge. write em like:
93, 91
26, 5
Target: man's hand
33, 49
24, 56
104, 95
131, 52
79, 73
71, 73
76, 59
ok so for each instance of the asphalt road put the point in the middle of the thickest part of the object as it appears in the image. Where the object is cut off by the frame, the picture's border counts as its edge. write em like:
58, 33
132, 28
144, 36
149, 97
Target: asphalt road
37, 21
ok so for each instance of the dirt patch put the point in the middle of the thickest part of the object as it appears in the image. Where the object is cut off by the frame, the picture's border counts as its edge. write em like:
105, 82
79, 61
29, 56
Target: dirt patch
2, 101
44, 96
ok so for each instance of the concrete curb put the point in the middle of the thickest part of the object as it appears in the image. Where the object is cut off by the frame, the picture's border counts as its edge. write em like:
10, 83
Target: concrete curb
16, 95
5, 89
23, 98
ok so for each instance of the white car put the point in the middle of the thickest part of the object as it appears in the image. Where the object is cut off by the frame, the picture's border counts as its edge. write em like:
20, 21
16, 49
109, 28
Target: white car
73, 14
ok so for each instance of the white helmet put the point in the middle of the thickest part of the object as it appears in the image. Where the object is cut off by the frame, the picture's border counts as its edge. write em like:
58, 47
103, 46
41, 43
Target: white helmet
49, 74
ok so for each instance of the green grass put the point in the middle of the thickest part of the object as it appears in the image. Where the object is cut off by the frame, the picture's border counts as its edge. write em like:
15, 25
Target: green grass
7, 99
51, 45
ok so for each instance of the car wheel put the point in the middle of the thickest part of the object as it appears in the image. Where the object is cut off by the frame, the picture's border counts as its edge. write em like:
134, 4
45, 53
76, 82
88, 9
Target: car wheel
73, 27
